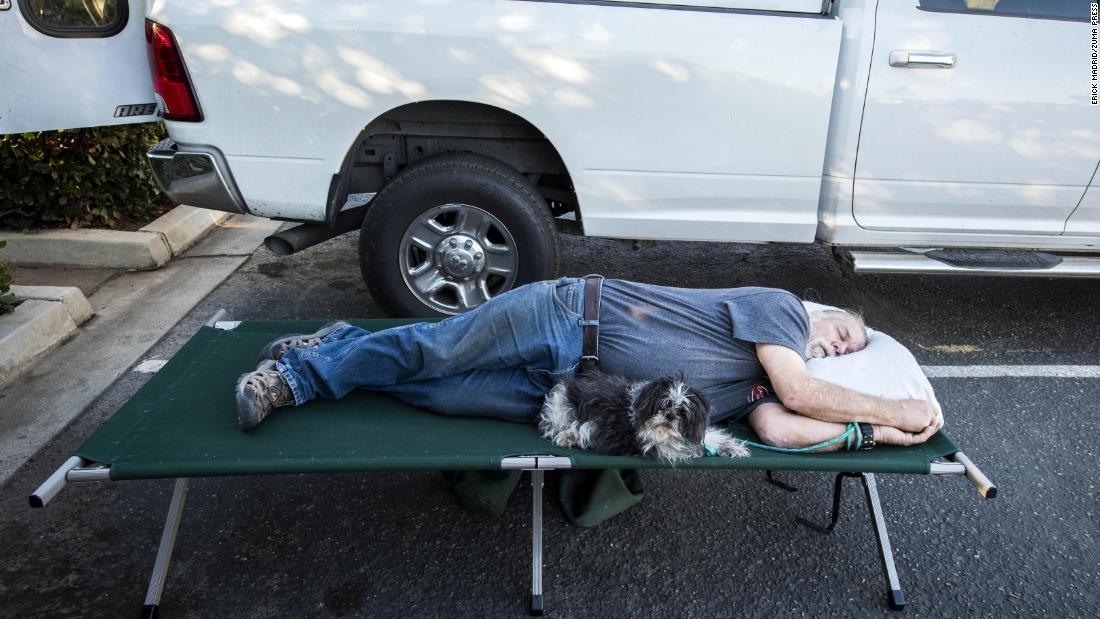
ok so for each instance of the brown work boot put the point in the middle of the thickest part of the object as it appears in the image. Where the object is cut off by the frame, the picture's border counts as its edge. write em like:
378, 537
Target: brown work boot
260, 392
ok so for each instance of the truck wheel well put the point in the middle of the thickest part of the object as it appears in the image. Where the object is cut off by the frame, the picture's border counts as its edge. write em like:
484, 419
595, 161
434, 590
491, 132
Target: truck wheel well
412, 132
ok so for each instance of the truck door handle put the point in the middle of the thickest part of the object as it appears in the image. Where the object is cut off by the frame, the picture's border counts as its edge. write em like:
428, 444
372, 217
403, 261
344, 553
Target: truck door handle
921, 60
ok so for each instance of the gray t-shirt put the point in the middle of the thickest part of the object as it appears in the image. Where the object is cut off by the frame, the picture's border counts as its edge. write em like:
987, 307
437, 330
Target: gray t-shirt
649, 331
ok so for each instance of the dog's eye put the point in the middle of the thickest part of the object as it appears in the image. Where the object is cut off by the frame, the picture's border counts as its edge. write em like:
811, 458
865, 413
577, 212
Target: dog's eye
669, 417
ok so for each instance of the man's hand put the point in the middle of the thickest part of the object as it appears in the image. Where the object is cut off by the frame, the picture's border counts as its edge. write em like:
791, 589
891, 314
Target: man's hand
825, 401
916, 416
887, 435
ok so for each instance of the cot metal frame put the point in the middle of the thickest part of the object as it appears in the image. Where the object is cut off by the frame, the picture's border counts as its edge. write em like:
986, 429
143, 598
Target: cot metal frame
79, 470
76, 469
895, 596
537, 466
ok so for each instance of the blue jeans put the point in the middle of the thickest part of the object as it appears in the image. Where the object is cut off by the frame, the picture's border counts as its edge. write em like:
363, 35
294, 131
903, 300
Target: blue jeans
497, 360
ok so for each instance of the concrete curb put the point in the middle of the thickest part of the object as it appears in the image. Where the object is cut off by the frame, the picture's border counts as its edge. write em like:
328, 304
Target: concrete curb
149, 248
132, 312
184, 225
72, 298
47, 316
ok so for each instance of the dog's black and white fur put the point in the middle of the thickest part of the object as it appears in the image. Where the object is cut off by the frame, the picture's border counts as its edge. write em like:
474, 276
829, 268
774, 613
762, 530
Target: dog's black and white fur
663, 418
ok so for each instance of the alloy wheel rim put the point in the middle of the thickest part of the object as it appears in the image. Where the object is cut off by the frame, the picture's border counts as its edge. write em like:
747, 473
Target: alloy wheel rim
454, 257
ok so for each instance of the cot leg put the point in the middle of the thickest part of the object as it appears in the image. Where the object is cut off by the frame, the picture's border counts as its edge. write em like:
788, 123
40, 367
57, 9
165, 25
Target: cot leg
838, 491
895, 597
164, 554
536, 543
778, 483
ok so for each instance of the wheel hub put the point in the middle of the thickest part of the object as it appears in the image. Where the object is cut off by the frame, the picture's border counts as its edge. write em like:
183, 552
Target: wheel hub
454, 257
460, 256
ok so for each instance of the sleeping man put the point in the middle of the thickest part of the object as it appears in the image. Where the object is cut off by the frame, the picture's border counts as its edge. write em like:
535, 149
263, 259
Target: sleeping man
744, 348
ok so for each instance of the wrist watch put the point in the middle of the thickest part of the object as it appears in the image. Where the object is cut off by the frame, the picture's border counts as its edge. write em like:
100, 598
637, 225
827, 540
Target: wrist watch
868, 432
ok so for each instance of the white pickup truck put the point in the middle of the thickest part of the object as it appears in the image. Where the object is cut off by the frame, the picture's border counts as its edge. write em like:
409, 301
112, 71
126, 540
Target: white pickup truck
463, 136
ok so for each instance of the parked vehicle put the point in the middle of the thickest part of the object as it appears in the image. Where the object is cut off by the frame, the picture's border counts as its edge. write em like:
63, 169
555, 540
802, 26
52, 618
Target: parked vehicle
464, 136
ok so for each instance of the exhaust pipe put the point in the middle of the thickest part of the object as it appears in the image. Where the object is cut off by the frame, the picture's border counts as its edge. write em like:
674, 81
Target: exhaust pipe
307, 235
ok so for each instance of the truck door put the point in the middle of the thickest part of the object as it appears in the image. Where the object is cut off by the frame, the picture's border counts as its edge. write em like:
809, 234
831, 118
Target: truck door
978, 117
73, 63
1085, 220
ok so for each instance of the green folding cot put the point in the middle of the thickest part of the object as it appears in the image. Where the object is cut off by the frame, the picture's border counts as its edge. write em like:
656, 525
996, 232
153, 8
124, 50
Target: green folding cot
182, 424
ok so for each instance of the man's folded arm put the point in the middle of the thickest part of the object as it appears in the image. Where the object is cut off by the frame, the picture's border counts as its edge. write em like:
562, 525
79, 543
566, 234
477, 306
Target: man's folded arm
826, 401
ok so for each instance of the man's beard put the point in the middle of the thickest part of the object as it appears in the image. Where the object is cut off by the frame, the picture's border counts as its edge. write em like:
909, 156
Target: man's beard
819, 348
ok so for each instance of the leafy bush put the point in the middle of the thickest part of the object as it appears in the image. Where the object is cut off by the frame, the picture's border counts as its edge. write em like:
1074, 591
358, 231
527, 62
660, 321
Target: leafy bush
7, 299
78, 177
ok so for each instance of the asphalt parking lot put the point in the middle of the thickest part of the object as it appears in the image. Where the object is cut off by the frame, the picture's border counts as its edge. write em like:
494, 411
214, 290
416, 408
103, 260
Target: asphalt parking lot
700, 544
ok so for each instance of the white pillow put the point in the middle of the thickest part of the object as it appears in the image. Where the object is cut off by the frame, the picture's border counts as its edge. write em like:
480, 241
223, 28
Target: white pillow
884, 368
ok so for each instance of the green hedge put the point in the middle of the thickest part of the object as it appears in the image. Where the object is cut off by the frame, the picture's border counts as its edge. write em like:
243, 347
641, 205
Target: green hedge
7, 299
78, 177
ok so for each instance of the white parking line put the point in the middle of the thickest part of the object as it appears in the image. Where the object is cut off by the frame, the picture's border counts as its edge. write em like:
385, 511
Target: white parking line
997, 371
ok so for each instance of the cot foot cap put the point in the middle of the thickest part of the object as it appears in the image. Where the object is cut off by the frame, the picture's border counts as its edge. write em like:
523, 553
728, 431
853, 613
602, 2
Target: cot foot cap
896, 599
150, 611
536, 605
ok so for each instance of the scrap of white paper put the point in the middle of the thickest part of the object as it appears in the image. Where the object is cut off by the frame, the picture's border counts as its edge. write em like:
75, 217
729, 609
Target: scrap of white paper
150, 366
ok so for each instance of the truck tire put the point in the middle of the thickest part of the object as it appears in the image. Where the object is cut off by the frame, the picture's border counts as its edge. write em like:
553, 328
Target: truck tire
450, 232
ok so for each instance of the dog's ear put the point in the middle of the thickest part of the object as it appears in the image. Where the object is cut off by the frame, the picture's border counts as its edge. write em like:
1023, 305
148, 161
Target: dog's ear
648, 402
704, 402
696, 416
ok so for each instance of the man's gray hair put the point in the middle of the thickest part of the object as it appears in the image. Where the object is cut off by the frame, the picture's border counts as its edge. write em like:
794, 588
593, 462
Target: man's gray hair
843, 313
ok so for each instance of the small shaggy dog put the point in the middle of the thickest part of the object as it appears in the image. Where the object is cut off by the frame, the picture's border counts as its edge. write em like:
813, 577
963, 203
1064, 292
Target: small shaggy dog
664, 418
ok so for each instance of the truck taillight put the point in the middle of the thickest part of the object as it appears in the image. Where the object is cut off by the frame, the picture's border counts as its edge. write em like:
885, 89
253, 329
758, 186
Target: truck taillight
170, 75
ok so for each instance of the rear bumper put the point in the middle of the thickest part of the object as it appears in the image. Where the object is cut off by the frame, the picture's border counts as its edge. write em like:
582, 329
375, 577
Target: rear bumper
196, 176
